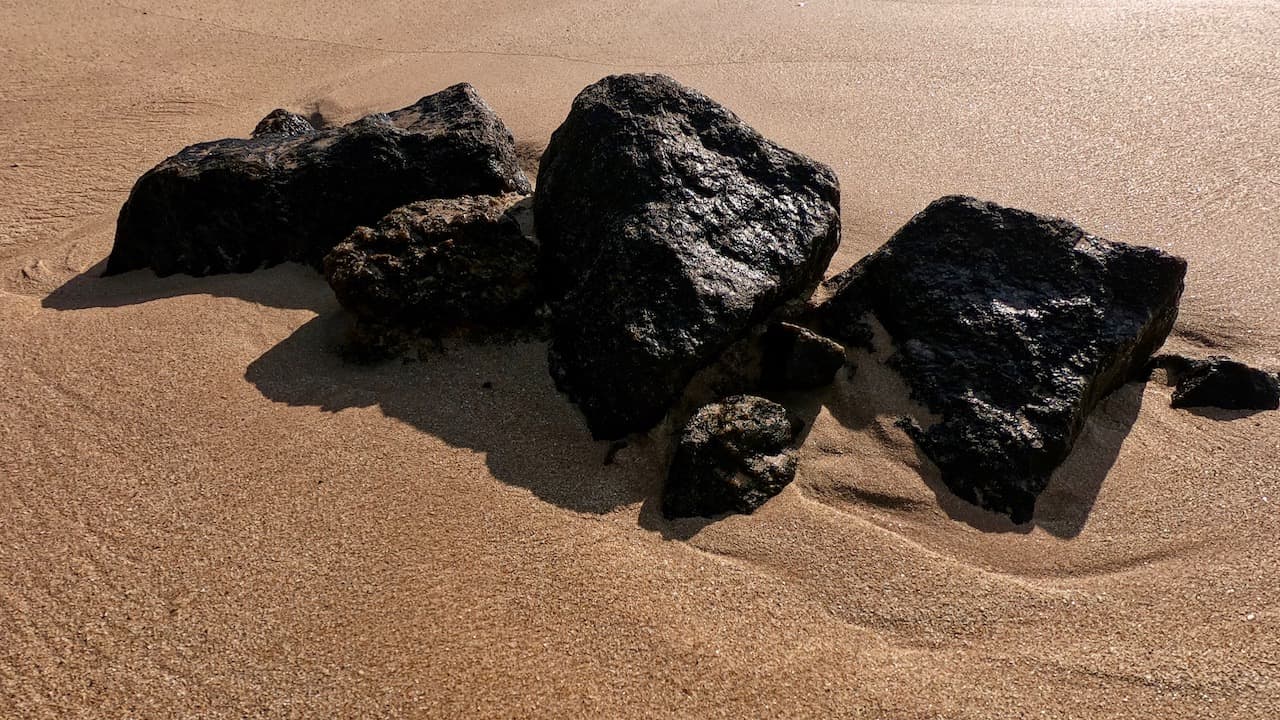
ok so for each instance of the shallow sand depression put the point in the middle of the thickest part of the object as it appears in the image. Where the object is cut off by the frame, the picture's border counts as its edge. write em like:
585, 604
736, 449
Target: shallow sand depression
205, 512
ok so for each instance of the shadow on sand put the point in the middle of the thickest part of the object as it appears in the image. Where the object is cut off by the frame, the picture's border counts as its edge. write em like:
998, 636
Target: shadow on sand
1062, 509
496, 398
289, 286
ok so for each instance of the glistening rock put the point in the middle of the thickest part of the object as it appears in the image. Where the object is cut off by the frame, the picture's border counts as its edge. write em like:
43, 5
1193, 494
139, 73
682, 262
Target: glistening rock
237, 205
668, 228
436, 267
1012, 327
732, 456
283, 122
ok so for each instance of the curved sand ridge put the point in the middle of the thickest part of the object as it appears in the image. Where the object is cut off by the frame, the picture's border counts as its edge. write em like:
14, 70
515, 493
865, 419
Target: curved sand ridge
206, 513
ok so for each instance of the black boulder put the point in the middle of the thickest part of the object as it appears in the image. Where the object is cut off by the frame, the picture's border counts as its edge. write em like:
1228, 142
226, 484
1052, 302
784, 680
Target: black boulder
438, 267
669, 227
1011, 327
1220, 382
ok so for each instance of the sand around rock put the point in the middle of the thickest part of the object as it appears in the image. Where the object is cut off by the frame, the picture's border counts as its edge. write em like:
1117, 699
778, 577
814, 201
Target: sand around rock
207, 511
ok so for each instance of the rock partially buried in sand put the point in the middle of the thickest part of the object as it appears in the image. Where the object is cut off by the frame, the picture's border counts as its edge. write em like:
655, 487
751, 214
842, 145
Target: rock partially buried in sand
669, 227
436, 267
1012, 327
283, 122
237, 205
795, 358
1219, 382
733, 456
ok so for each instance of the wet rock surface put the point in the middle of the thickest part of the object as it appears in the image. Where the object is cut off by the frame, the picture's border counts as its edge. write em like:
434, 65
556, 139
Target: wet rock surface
669, 227
437, 267
1219, 382
1011, 327
795, 358
732, 456
236, 205
283, 122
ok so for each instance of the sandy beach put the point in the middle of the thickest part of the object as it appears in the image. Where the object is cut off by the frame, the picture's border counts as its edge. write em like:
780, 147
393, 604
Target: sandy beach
206, 512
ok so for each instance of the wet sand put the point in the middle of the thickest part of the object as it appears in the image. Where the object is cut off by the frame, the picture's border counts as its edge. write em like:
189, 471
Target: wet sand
206, 513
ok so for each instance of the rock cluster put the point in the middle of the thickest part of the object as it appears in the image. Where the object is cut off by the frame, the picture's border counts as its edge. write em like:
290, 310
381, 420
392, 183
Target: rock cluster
663, 232
287, 194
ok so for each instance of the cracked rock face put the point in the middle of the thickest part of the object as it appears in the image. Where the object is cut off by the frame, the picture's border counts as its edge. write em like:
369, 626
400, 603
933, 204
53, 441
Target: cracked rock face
732, 456
283, 122
237, 205
1011, 327
436, 267
1220, 382
669, 227
795, 358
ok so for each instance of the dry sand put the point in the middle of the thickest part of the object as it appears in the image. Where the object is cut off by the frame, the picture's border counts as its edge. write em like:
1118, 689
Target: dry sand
205, 513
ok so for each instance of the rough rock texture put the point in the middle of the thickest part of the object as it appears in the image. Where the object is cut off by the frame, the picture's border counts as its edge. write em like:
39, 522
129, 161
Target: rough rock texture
1012, 327
236, 205
439, 266
283, 122
795, 358
732, 457
1220, 382
668, 228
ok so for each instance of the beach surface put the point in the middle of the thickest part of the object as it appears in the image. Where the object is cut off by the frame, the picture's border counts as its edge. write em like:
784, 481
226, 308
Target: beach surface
205, 512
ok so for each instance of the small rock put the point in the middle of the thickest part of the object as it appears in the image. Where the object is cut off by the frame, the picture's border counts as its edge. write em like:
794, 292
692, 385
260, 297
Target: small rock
283, 122
1219, 382
1012, 327
669, 228
236, 205
437, 267
795, 358
732, 456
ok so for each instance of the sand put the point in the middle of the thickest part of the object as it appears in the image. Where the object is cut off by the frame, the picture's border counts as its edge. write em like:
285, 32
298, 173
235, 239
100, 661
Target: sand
205, 513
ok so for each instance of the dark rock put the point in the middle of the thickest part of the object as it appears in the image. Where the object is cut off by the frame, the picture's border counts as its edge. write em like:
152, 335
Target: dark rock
1220, 382
732, 457
1011, 327
283, 122
437, 267
795, 358
237, 205
669, 227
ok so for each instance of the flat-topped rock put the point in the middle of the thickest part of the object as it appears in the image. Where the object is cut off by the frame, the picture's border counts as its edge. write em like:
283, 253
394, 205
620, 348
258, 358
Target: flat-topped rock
669, 227
1011, 327
237, 205
1219, 382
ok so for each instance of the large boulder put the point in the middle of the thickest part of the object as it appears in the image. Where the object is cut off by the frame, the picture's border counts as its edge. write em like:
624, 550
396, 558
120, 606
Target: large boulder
436, 267
668, 227
1011, 327
732, 456
237, 205
1219, 382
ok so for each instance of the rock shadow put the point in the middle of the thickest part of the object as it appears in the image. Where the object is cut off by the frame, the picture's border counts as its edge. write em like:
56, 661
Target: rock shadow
288, 286
1063, 507
496, 398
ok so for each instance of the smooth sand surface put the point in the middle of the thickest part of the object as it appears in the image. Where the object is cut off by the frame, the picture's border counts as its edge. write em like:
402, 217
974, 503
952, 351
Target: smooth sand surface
205, 513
